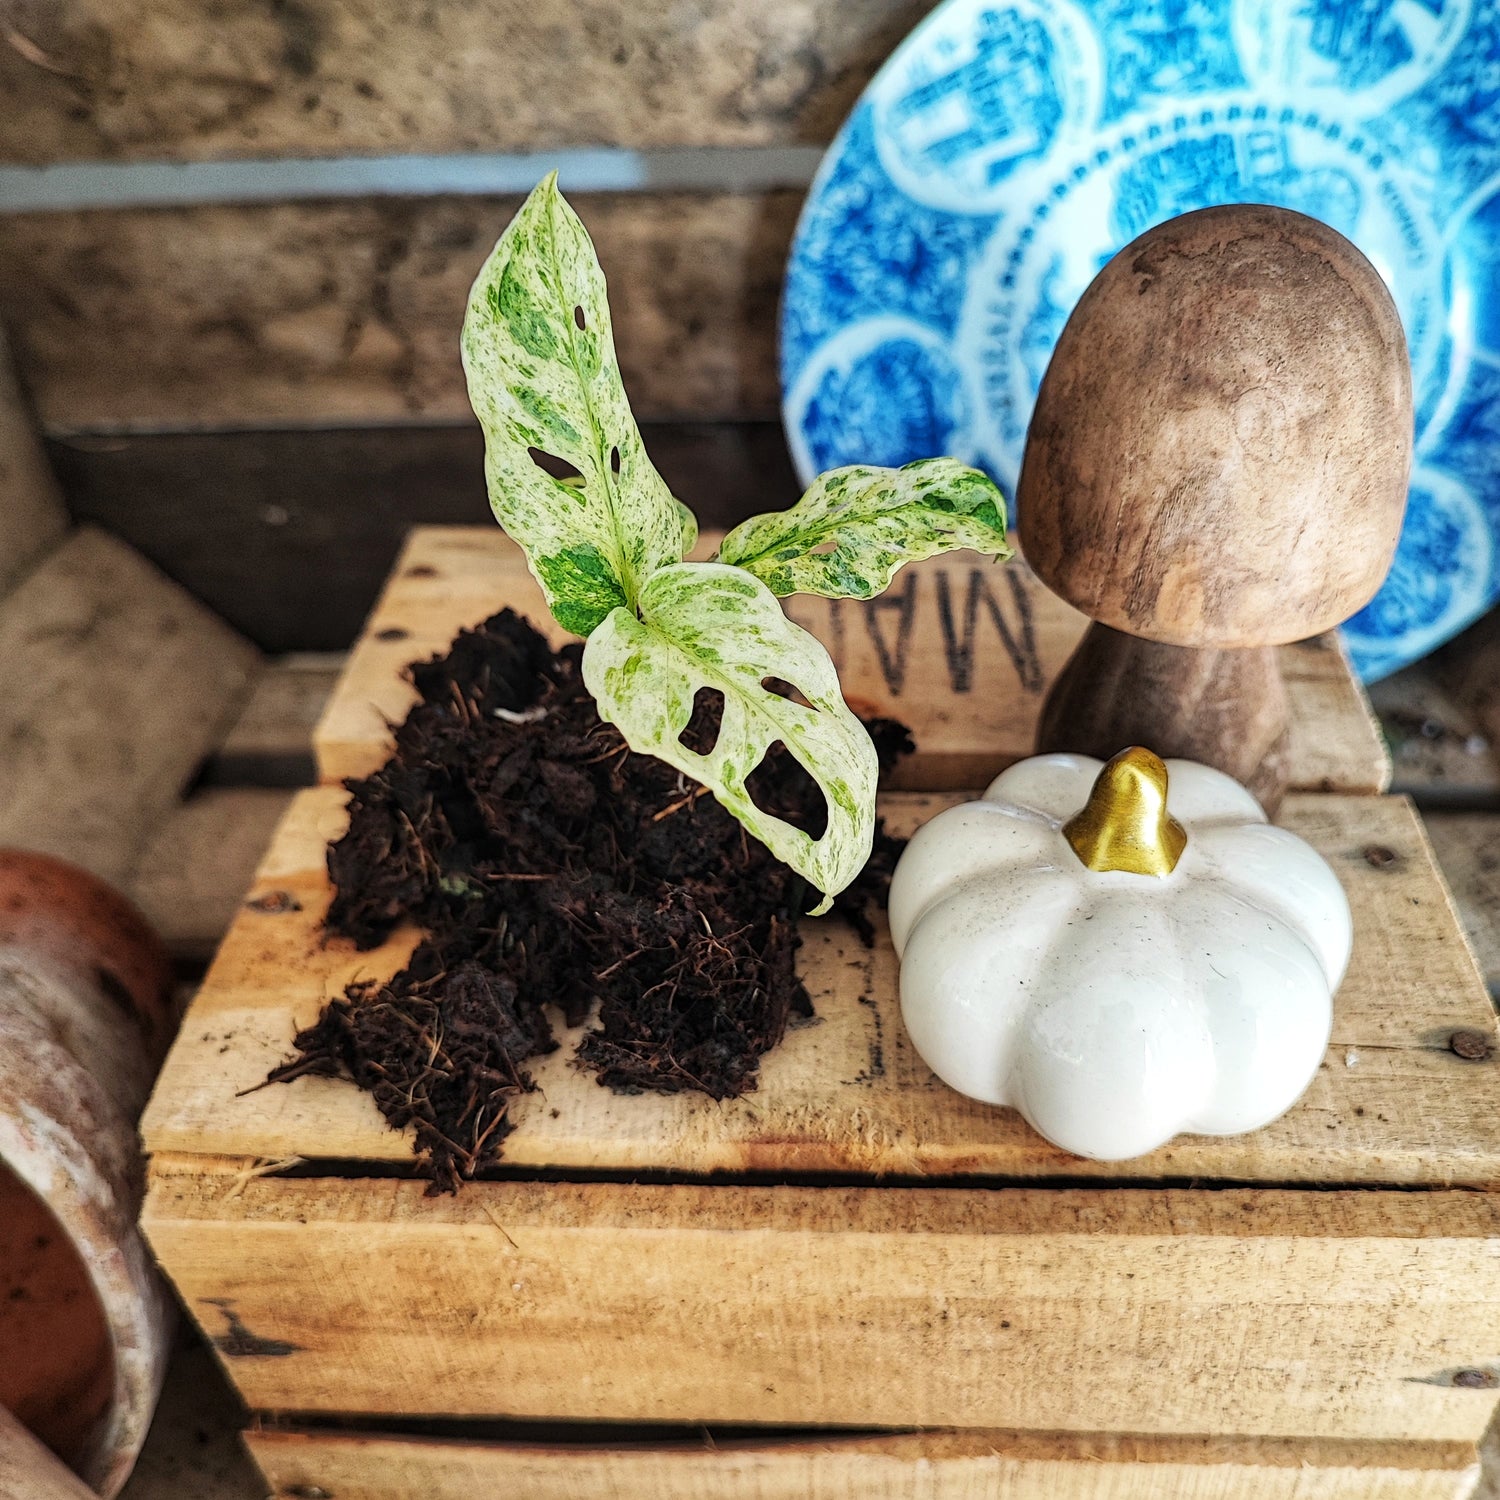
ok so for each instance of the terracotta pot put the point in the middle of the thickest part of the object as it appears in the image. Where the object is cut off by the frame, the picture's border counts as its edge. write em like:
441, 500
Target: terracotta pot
85, 1018
28, 1471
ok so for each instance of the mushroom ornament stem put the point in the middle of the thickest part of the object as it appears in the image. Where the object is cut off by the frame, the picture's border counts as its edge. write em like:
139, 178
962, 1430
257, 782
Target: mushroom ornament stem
1227, 708
1121, 952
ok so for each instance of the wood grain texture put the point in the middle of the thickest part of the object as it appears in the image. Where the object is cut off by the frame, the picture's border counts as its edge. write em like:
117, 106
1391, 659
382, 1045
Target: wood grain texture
1469, 666
168, 81
1443, 751
1319, 1314
935, 1465
32, 516
117, 685
270, 743
290, 535
1392, 1102
1221, 443
199, 863
1468, 849
958, 649
1488, 1487
348, 312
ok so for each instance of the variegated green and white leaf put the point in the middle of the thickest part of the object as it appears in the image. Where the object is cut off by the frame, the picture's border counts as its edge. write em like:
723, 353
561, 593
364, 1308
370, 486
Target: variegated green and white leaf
543, 379
711, 625
847, 536
689, 529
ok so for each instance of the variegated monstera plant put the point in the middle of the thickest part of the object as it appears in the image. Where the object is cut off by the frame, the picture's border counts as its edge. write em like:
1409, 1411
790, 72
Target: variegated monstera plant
607, 545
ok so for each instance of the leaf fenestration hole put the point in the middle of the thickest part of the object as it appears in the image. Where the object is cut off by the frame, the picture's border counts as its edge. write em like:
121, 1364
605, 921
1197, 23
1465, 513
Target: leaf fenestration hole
701, 732
578, 317
614, 459
784, 689
558, 468
783, 787
827, 545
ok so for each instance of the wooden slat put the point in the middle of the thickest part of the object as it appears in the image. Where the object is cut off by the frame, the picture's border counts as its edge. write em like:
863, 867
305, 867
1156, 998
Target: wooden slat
1392, 1102
349, 312
1470, 667
117, 683
1488, 1487
270, 744
167, 81
291, 534
1441, 751
28, 1471
1316, 1314
1468, 849
194, 1450
958, 649
935, 1465
1440, 718
32, 517
201, 861
1335, 739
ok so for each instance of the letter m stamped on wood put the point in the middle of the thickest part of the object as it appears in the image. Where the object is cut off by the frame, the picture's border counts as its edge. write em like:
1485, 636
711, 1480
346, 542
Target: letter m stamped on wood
1017, 632
939, 628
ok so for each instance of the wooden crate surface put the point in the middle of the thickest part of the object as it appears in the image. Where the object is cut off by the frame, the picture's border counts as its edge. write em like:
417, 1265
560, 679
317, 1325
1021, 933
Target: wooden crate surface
1359, 1314
33, 518
1392, 1103
958, 648
168, 80
118, 683
938, 1466
348, 311
249, 520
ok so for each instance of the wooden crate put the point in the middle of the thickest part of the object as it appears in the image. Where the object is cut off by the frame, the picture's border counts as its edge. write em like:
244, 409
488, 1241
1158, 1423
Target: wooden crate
268, 313
1310, 1310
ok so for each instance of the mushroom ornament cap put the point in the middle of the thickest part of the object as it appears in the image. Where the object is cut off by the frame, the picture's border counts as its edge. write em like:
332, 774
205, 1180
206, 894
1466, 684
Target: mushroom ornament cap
1116, 1009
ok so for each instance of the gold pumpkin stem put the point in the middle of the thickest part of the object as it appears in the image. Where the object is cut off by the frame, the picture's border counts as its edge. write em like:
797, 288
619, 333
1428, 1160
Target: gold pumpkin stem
1125, 824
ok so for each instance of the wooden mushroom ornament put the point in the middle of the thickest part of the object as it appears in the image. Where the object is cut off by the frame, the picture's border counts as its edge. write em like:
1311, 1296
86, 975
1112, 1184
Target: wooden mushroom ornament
1217, 465
1121, 952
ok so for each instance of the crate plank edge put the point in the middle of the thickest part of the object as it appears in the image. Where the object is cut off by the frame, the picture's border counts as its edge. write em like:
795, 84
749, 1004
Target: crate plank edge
1162, 1311
954, 1466
1392, 1103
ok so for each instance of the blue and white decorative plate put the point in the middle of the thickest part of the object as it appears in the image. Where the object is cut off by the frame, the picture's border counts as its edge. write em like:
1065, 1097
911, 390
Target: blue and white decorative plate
1010, 147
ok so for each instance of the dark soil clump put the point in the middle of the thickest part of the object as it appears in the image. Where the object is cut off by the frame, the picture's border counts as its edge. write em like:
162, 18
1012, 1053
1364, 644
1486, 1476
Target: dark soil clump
549, 865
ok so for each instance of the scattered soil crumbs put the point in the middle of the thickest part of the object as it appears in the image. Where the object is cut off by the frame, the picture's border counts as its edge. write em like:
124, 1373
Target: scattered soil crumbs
547, 864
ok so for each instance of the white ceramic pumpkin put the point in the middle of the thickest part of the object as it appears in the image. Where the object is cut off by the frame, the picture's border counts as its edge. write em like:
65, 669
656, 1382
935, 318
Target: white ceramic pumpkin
1115, 1009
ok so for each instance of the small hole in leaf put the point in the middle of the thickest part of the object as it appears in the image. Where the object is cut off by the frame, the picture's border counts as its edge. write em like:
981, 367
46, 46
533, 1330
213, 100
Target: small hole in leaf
782, 786
827, 545
614, 459
784, 689
578, 317
558, 468
701, 733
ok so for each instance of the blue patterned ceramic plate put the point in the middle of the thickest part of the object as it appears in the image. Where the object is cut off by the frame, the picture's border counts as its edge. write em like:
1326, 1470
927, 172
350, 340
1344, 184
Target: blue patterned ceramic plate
1010, 147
